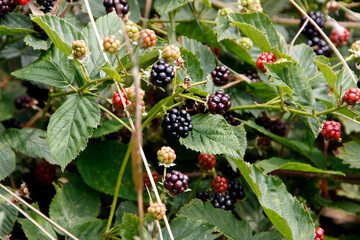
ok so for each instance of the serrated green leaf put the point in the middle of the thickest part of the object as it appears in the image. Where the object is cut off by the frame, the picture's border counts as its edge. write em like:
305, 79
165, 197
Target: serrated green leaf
31, 142
135, 14
239, 51
211, 134
61, 32
344, 82
110, 70
219, 218
270, 235
74, 203
304, 55
202, 33
36, 42
143, 56
224, 30
106, 128
9, 212
240, 133
15, 23
129, 227
125, 207
192, 65
328, 73
7, 156
276, 163
314, 154
165, 6
90, 230
102, 175
6, 106
350, 191
290, 77
53, 68
283, 210
350, 153
71, 126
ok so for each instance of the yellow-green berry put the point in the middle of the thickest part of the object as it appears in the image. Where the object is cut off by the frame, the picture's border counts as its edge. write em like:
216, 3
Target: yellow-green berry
157, 211
79, 49
166, 155
171, 53
111, 44
132, 31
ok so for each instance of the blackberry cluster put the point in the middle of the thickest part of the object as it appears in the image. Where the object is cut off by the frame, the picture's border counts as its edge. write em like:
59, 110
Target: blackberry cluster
309, 30
177, 123
23, 101
220, 75
230, 117
222, 201
176, 182
146, 178
320, 46
203, 196
235, 190
120, 6
277, 126
45, 172
331, 130
252, 75
229, 172
319, 233
12, 123
5, 7
47, 4
219, 102
162, 73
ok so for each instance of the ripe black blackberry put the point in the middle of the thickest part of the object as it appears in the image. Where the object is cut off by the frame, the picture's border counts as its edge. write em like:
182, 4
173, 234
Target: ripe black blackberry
220, 75
48, 4
310, 31
11, 123
252, 75
176, 182
358, 84
177, 123
5, 7
162, 73
277, 126
219, 102
229, 172
120, 6
23, 101
230, 117
193, 107
320, 46
235, 190
222, 201
203, 196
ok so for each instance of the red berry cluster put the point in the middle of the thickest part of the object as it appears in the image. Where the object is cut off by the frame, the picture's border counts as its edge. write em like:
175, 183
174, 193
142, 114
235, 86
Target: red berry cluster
148, 38
219, 185
206, 161
147, 182
319, 233
118, 103
265, 57
352, 96
340, 36
331, 130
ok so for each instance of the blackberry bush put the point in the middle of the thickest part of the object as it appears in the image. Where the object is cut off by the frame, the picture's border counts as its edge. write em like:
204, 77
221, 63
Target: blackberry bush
177, 123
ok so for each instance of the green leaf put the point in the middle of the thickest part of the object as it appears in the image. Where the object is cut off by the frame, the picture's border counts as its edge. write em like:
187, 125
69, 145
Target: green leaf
206, 213
125, 207
224, 30
6, 106
7, 156
239, 51
190, 229
304, 55
31, 142
283, 210
74, 203
202, 33
110, 70
15, 23
143, 56
211, 134
36, 42
290, 77
53, 68
350, 153
314, 154
192, 65
106, 128
90, 230
350, 191
240, 133
270, 235
259, 28
135, 14
344, 82
207, 3
62, 33
165, 6
9, 212
276, 163
71, 126
102, 175
129, 227
312, 122
329, 74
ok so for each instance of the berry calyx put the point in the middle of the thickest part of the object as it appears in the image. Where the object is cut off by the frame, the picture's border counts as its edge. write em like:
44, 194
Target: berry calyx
309, 30
111, 44
162, 73
219, 185
222, 201
219, 102
166, 155
146, 178
79, 49
120, 6
171, 53
147, 38
235, 190
177, 123
119, 101
265, 57
157, 210
319, 233
206, 161
352, 96
132, 31
340, 36
176, 182
21, 2
220, 75
331, 130
45, 172
203, 196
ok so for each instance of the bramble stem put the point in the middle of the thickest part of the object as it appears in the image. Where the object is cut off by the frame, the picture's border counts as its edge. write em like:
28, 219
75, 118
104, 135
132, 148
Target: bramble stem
191, 98
116, 118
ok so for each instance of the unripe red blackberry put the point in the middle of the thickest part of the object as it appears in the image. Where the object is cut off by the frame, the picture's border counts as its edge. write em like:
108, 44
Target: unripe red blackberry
147, 38
166, 155
203, 196
252, 75
120, 6
310, 31
119, 101
45, 172
340, 36
171, 53
79, 49
219, 102
111, 44
222, 201
220, 75
231, 118
176, 182
5, 7
352, 96
332, 6
24, 101
265, 57
235, 190
132, 31
21, 2
162, 73
206, 161
177, 123
157, 210
146, 178
130, 93
319, 233
331, 130
219, 185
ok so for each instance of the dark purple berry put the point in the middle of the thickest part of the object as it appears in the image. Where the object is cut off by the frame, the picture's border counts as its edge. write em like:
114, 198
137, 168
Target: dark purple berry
310, 31
319, 46
48, 4
23, 102
219, 103
277, 126
203, 196
5, 7
176, 182
252, 75
11, 123
229, 172
120, 6
222, 201
220, 75
231, 118
235, 190
162, 73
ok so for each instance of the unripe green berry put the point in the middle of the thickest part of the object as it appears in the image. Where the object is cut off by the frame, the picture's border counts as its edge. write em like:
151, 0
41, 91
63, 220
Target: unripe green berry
132, 31
111, 44
157, 211
79, 49
246, 43
171, 53
166, 156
